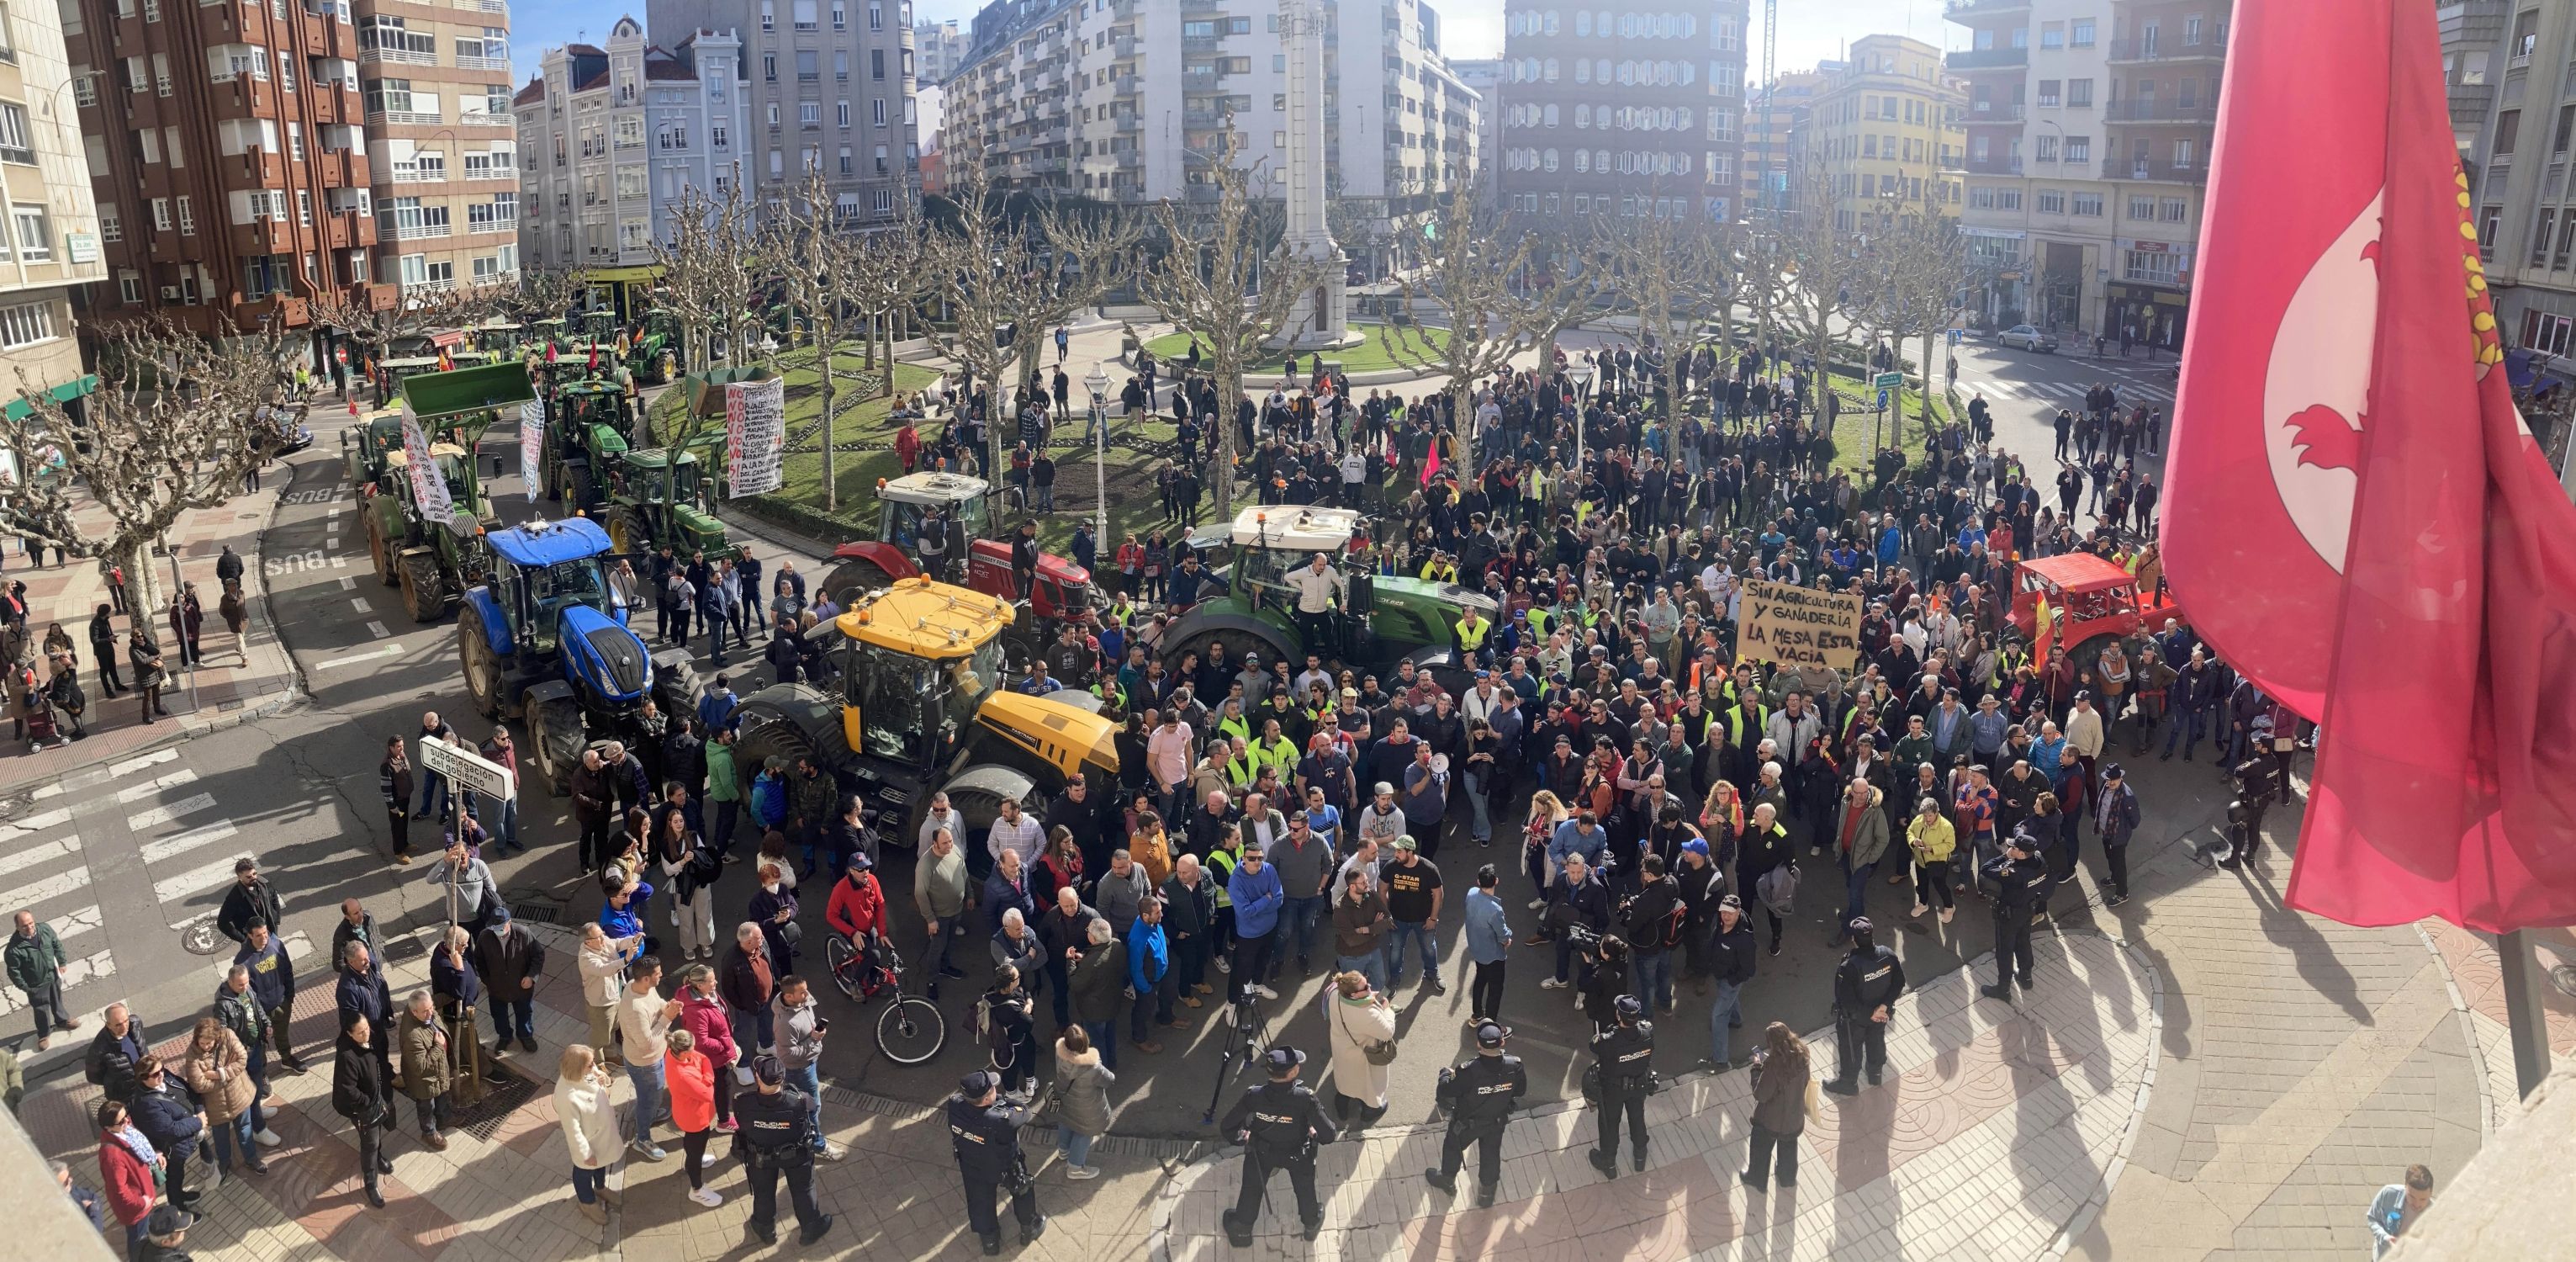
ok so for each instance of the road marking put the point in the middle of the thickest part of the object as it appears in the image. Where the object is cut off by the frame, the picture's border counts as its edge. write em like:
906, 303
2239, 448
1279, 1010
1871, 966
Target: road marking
159, 815
195, 880
79, 922
137, 793
162, 848
40, 822
390, 650
360, 604
348, 584
135, 764
339, 563
89, 968
378, 630
51, 887
34, 855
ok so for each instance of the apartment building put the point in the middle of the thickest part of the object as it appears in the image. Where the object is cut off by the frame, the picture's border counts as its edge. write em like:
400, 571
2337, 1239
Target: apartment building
1770, 123
1129, 101
2089, 132
2513, 100
436, 78
831, 88
229, 157
49, 221
1619, 112
610, 138
1885, 129
1484, 77
938, 48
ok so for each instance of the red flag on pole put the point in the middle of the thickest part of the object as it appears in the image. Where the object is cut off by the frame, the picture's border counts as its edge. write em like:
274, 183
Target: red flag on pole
2356, 517
1431, 467
594, 355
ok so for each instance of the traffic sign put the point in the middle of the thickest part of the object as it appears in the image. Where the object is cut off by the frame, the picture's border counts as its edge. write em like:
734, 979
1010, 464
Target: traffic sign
1954, 337
1889, 380
466, 769
1882, 400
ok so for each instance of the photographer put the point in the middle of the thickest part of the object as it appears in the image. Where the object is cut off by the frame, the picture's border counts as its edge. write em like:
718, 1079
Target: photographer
1605, 983
1579, 911
1652, 920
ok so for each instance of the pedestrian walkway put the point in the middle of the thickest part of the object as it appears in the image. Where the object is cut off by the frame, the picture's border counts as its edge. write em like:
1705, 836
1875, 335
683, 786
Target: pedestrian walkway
2060, 392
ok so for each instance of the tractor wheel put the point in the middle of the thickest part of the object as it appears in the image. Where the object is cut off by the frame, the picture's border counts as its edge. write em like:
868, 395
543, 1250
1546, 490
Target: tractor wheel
977, 794
550, 475
675, 688
775, 738
381, 551
1237, 643
577, 485
480, 665
627, 532
858, 572
424, 592
556, 736
2088, 657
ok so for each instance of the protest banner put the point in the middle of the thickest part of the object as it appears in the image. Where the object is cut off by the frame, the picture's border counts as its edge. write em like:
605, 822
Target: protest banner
1800, 626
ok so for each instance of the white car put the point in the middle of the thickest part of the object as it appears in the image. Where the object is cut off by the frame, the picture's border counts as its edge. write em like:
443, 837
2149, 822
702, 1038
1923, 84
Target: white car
2028, 338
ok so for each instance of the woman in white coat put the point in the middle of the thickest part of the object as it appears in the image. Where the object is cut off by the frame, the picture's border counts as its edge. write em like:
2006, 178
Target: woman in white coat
589, 1122
1358, 1019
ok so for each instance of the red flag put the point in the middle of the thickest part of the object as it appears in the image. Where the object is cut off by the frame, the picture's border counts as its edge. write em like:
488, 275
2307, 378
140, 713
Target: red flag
1431, 467
2356, 516
594, 355
550, 352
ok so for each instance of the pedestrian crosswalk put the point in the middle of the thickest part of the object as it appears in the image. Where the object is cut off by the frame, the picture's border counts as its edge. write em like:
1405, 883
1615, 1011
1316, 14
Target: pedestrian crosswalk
2062, 392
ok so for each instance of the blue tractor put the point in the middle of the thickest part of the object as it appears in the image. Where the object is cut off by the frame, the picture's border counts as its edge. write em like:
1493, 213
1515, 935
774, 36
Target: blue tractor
542, 641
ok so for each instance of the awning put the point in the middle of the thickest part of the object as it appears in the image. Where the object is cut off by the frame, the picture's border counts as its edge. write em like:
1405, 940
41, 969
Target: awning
450, 338
19, 409
646, 273
2521, 367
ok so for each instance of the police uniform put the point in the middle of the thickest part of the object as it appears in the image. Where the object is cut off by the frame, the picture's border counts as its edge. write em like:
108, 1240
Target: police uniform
1868, 977
2020, 885
777, 1129
1479, 1096
1281, 1123
987, 1141
1626, 1055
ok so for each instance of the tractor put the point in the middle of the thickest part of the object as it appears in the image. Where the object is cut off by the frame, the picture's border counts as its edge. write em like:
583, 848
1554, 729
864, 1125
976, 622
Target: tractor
1061, 589
1384, 621
919, 705
377, 437
540, 640
435, 561
640, 521
588, 425
2092, 604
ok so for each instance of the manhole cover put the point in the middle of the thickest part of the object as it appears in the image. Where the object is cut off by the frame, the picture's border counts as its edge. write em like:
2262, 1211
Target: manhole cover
532, 905
201, 939
499, 1101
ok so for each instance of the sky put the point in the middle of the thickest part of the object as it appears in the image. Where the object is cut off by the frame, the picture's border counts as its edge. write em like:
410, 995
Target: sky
1810, 30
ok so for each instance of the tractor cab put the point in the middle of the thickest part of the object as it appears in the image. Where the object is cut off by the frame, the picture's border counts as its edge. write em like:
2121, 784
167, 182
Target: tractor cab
963, 503
452, 469
371, 445
916, 706
637, 518
905, 505
533, 596
2087, 597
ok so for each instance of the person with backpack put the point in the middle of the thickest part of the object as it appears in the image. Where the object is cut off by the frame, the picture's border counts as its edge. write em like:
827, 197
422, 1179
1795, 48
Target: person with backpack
1652, 922
1005, 1022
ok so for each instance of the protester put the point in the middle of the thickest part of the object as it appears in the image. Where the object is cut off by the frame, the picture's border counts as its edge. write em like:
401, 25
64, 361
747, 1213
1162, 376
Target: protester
588, 1120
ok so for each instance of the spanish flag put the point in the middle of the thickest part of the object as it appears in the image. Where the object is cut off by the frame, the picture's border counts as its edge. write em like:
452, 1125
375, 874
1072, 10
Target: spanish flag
2043, 631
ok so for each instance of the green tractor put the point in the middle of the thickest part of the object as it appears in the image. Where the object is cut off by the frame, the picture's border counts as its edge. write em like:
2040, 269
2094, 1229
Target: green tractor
1384, 621
640, 521
366, 447
435, 561
655, 348
588, 425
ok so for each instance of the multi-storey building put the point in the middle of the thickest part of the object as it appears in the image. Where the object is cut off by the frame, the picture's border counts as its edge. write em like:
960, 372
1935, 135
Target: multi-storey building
2472, 38
1613, 111
2089, 126
1484, 77
1130, 101
2519, 94
49, 221
229, 156
832, 87
1884, 132
610, 139
436, 77
1770, 121
937, 48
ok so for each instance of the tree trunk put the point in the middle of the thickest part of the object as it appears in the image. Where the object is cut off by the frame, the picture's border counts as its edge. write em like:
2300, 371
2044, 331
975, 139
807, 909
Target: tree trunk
831, 488
1229, 376
1463, 396
142, 583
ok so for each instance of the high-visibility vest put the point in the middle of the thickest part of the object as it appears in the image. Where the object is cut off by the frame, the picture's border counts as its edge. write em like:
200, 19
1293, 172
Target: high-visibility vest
1736, 733
1439, 572
1235, 726
1472, 633
1280, 753
1243, 768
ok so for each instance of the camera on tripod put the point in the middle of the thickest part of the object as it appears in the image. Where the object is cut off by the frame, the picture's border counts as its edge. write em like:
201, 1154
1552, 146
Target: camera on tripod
1563, 919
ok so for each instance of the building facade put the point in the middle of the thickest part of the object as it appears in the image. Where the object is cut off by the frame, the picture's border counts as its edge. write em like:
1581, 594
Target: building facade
937, 49
1771, 122
2521, 121
832, 89
229, 156
50, 247
1883, 133
1484, 77
1617, 112
2089, 132
436, 79
1129, 101
611, 138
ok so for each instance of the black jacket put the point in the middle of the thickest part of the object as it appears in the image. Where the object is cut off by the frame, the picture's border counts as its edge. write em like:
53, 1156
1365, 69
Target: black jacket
777, 1128
986, 1137
245, 903
1732, 955
359, 1091
1651, 924
1866, 979
1480, 1094
168, 1117
1627, 1056
1280, 1122
109, 1063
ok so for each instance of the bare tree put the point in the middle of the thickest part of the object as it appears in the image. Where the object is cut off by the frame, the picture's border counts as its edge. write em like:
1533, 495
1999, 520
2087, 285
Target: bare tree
176, 422
414, 312
820, 262
712, 273
880, 280
1674, 274
1925, 265
1816, 264
541, 295
1225, 276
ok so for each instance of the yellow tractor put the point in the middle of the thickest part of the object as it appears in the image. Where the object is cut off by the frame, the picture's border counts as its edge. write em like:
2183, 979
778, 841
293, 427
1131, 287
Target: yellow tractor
920, 703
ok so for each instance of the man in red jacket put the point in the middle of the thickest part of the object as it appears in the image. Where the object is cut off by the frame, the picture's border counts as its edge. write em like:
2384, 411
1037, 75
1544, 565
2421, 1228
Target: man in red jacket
858, 912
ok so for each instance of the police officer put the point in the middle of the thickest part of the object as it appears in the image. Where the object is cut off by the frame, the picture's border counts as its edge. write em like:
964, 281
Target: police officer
1626, 1053
778, 1138
2021, 884
1479, 1096
1866, 983
986, 1134
1279, 1124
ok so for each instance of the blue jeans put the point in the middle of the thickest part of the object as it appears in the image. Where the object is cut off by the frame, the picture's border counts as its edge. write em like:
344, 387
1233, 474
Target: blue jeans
1104, 1037
586, 1184
810, 1081
1480, 824
502, 821
1371, 966
648, 1098
1298, 917
1075, 1145
513, 1017
1653, 979
1727, 1010
433, 790
2196, 720
1855, 893
238, 1131
1412, 931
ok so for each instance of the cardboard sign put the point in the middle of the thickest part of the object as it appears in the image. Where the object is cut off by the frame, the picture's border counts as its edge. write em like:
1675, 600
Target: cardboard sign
466, 769
532, 444
1800, 626
755, 436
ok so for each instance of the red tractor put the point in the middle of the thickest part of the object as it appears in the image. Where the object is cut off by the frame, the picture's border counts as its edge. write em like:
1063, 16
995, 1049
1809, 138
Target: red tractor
2092, 603
1061, 589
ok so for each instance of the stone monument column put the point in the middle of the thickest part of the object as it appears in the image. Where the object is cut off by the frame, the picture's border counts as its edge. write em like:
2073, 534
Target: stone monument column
1321, 318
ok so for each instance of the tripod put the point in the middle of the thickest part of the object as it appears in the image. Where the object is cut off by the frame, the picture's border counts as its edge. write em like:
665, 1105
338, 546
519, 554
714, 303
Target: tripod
1252, 1036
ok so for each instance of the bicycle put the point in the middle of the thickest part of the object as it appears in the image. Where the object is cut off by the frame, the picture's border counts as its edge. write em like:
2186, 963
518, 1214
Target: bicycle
910, 1030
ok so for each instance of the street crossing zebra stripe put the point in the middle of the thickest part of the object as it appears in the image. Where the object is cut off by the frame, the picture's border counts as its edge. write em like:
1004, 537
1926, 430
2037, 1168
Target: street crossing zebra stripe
34, 855
159, 815
166, 847
50, 888
136, 793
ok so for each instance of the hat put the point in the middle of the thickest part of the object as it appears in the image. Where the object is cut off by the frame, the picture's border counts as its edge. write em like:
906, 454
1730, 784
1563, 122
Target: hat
1281, 1059
1484, 674
978, 1082
1406, 842
1629, 1008
2083, 694
1492, 1034
1352, 693
1730, 903
2111, 771
861, 863
169, 1220
1252, 659
1859, 924
1695, 846
1384, 787
768, 1071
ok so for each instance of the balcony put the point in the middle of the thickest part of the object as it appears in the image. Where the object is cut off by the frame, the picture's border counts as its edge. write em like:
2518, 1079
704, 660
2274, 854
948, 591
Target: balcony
414, 175
262, 236
2134, 51
1994, 166
404, 118
404, 56
1202, 120
2150, 169
1130, 123
1988, 58
345, 168
1202, 43
422, 232
1988, 112
1957, 9
2151, 110
464, 62
252, 313
489, 119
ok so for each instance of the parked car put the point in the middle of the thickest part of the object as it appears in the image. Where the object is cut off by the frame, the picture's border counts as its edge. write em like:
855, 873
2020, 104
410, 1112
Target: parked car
2027, 337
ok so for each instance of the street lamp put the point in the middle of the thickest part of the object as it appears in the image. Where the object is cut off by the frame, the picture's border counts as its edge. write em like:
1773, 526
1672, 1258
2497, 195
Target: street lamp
1098, 384
1582, 374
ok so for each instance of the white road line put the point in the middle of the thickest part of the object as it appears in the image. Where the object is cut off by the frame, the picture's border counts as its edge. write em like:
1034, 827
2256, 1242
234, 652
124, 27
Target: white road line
159, 815
51, 887
34, 855
38, 823
53, 790
195, 880
339, 563
378, 630
139, 762
390, 650
359, 603
137, 793
79, 922
348, 584
87, 969
162, 848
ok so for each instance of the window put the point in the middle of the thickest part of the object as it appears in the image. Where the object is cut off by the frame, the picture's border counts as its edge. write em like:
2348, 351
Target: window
304, 207
2508, 130
841, 114
876, 112
187, 217
35, 236
111, 224
2050, 201
769, 67
841, 64
2079, 149
2489, 219
16, 144
2088, 204
768, 15
804, 12
2540, 238
2079, 93
808, 65
2526, 37
2047, 93
2183, 152
2142, 208
2052, 35
27, 324
2176, 210
809, 114
129, 288
161, 213
2045, 149
2546, 333
2163, 267
2079, 33
876, 64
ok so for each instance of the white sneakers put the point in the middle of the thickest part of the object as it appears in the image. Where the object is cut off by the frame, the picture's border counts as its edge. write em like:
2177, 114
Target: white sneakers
1537, 903
647, 1150
1079, 1173
708, 1197
1224, 965
1263, 991
268, 1138
1550, 983
1918, 911
1945, 914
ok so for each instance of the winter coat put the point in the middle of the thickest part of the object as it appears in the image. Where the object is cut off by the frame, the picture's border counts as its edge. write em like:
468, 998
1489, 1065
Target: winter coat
705, 1019
691, 1078
35, 960
509, 953
127, 1179
588, 1120
1869, 840
358, 1088
1932, 838
426, 1073
1082, 1090
221, 1078
603, 974
1098, 983
1780, 1096
168, 1118
1350, 1024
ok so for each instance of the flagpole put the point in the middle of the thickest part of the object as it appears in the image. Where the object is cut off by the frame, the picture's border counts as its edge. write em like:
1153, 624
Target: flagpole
2527, 1025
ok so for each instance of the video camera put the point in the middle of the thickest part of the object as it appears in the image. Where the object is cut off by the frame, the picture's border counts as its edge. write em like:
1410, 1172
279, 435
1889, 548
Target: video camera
1561, 918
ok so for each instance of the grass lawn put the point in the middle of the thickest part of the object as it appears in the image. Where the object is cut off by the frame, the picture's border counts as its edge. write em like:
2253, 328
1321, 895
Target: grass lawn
1853, 431
1368, 356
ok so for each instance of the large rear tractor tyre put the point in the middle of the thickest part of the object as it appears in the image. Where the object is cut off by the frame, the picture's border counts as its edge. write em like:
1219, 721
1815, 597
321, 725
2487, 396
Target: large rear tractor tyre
675, 687
556, 736
424, 592
577, 486
858, 572
767, 738
480, 665
627, 532
1237, 641
381, 551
